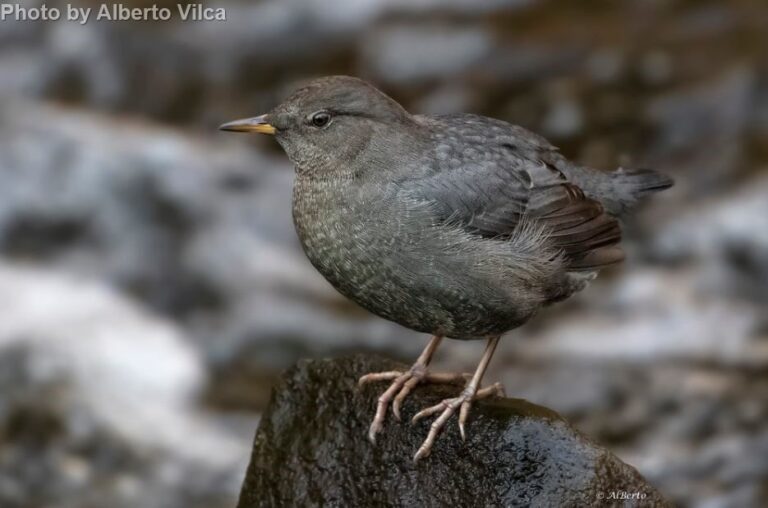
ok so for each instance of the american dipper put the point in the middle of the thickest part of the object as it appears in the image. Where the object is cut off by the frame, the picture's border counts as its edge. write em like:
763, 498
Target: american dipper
459, 226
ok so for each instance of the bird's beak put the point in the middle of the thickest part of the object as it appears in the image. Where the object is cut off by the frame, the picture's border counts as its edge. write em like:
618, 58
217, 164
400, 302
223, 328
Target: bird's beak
256, 124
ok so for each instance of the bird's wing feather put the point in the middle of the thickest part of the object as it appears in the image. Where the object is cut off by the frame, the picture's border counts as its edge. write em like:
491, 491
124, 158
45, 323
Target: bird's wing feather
488, 175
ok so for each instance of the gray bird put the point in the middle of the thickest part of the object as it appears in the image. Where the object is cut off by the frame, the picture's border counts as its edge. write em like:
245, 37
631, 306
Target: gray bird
459, 226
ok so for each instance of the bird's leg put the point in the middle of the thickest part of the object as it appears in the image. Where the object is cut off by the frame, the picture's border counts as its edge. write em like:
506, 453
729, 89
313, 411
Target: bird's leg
403, 382
470, 393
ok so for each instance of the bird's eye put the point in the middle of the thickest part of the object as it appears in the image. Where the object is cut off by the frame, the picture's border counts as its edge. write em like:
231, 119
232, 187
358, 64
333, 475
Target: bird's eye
321, 119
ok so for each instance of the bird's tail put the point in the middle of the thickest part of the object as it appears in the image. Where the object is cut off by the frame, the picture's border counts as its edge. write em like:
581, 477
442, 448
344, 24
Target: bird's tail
621, 190
639, 183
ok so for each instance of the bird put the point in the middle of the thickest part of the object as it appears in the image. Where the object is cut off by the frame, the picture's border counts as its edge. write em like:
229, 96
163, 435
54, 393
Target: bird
456, 225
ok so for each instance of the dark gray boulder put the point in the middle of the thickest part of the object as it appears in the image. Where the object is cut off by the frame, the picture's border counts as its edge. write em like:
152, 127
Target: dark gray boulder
311, 450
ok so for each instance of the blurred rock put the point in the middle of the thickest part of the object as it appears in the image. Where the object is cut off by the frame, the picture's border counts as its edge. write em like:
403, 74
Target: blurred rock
97, 403
605, 65
714, 114
516, 453
564, 117
652, 316
413, 54
729, 237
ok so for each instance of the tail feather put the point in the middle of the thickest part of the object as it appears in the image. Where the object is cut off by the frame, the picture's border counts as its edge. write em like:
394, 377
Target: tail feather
597, 259
621, 190
641, 182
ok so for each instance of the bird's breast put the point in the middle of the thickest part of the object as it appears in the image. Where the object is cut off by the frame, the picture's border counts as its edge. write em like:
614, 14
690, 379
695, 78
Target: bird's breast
337, 232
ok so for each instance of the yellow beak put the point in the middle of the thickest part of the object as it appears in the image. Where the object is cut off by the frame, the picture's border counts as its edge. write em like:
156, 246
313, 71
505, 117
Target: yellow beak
256, 124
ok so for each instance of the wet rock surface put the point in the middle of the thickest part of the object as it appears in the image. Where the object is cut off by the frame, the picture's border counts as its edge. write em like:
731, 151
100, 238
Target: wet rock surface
311, 449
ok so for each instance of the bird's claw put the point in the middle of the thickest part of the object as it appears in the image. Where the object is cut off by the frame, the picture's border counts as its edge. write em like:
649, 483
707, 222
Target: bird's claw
403, 382
448, 407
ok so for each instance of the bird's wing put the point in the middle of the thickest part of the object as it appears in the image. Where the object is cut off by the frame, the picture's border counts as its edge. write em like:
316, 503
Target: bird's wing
488, 176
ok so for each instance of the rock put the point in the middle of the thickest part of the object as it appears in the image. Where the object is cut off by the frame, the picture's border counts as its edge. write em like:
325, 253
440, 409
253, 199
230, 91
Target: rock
658, 315
517, 453
98, 403
728, 237
408, 54
716, 114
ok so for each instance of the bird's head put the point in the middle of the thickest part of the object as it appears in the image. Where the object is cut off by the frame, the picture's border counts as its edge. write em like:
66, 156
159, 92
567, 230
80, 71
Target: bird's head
331, 122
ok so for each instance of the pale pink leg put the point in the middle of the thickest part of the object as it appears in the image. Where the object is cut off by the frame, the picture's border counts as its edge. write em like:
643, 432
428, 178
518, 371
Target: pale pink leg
448, 407
402, 384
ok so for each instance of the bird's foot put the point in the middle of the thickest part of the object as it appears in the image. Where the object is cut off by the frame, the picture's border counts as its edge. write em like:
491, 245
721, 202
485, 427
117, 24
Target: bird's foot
403, 383
448, 407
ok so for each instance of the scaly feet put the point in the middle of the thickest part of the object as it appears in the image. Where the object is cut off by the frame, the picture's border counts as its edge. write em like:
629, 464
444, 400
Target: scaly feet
448, 408
404, 382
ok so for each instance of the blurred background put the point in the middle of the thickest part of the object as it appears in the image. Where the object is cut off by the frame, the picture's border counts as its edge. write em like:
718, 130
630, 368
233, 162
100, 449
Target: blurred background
152, 288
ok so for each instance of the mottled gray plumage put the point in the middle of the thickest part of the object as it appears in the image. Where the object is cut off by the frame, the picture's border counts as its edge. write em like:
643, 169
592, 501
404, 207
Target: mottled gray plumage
455, 225
459, 225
